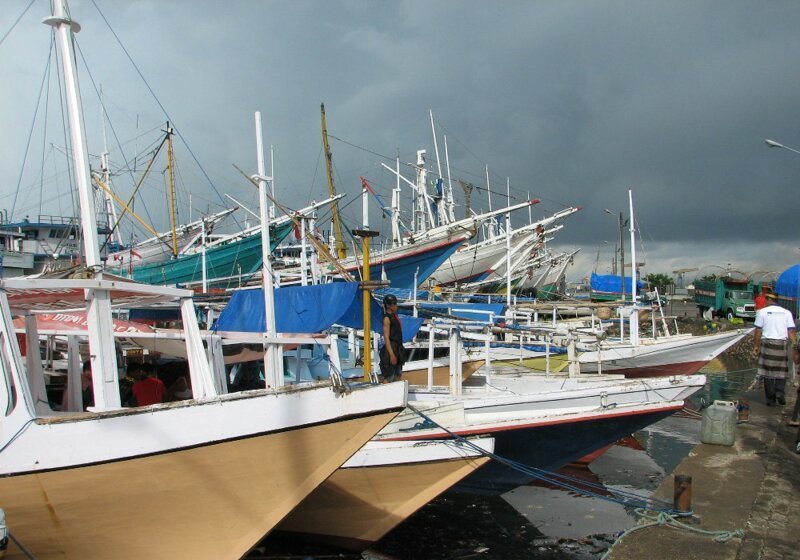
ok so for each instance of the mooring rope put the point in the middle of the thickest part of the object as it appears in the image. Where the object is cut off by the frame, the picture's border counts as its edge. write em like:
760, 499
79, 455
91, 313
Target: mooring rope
667, 520
665, 513
573, 484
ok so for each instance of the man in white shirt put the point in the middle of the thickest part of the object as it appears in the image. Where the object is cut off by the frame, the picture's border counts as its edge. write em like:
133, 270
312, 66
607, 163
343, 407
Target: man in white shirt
775, 330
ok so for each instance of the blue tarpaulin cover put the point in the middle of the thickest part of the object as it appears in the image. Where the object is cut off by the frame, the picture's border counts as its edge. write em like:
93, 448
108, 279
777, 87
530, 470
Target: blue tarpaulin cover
306, 309
610, 283
353, 317
788, 283
787, 286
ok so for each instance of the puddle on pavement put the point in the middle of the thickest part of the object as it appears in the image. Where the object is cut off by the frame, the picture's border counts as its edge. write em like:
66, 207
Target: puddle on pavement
559, 513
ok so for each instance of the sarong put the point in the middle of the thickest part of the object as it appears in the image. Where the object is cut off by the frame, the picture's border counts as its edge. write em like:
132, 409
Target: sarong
773, 360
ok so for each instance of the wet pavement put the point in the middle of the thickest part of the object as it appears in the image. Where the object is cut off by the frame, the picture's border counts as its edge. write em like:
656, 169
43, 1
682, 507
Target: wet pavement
750, 488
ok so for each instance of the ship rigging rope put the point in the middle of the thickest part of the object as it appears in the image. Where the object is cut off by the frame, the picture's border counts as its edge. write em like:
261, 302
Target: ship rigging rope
16, 435
110, 125
432, 172
30, 133
16, 21
171, 120
24, 550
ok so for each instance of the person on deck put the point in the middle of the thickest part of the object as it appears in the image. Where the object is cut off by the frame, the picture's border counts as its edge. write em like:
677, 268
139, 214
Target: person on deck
150, 389
775, 330
392, 355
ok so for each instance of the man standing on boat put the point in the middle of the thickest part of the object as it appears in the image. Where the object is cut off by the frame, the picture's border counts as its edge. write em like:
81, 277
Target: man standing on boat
392, 354
775, 330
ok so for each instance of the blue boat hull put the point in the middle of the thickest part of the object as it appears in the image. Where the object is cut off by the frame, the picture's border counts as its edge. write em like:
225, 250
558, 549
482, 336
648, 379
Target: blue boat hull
400, 270
549, 448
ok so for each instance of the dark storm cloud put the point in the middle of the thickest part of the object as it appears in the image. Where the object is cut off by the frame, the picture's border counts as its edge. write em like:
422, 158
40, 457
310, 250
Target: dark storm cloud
575, 102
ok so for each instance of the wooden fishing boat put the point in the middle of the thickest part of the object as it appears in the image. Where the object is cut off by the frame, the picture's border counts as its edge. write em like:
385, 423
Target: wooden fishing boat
240, 257
380, 487
207, 477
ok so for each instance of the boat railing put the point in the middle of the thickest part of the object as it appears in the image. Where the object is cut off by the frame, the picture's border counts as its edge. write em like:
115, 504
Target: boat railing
453, 333
329, 342
57, 220
202, 350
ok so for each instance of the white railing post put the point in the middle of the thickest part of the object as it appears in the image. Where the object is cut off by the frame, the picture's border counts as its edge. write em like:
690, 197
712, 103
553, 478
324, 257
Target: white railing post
430, 354
455, 362
199, 370
75, 395
352, 347
572, 356
217, 359
547, 356
488, 353
33, 362
335, 364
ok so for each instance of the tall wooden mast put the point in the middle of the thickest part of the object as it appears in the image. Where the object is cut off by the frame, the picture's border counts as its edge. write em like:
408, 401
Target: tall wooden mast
341, 248
171, 191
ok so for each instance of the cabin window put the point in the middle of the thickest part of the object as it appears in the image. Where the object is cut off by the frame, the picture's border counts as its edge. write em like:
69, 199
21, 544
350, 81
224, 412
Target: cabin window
8, 393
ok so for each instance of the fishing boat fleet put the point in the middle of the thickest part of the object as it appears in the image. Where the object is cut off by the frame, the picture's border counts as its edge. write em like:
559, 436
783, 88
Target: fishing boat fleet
314, 446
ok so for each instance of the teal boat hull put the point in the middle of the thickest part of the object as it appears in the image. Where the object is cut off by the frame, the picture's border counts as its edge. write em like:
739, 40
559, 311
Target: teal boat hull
238, 258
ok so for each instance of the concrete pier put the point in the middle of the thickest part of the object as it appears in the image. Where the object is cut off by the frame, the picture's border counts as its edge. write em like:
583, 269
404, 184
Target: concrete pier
753, 486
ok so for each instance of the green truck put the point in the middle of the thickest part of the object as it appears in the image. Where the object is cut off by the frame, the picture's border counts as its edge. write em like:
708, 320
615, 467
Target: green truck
725, 296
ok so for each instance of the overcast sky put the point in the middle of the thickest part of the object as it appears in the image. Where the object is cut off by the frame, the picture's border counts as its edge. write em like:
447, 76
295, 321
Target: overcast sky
574, 102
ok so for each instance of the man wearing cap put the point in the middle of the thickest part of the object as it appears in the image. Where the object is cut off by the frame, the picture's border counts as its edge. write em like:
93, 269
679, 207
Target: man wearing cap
775, 330
392, 354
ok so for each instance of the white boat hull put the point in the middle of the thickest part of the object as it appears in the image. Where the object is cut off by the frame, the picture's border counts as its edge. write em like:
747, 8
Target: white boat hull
545, 423
679, 355
200, 480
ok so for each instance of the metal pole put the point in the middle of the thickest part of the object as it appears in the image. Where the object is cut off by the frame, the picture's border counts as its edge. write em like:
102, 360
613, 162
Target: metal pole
508, 260
365, 233
622, 254
103, 356
367, 319
634, 318
414, 312
203, 256
273, 360
303, 253
431, 336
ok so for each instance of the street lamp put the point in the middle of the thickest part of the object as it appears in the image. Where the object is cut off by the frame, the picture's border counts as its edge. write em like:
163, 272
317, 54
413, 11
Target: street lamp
622, 223
774, 144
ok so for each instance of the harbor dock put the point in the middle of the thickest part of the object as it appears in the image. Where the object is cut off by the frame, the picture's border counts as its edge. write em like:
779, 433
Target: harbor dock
751, 486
